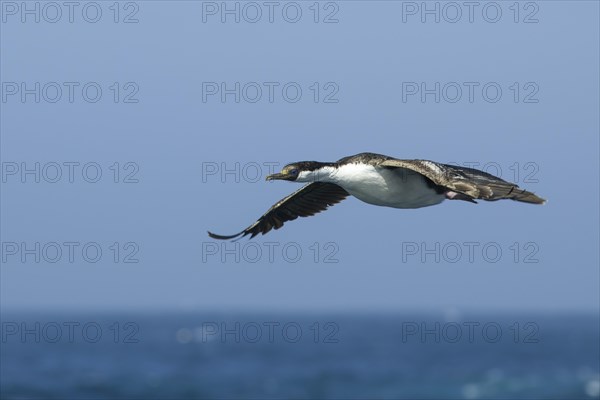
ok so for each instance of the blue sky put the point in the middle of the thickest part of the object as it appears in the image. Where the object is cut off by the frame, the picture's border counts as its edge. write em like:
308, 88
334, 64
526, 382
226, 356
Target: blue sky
161, 123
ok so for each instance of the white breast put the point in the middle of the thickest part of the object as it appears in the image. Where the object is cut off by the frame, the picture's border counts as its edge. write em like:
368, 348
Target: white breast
399, 188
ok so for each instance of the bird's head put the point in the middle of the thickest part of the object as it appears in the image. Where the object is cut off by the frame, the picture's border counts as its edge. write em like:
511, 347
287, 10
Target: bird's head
302, 171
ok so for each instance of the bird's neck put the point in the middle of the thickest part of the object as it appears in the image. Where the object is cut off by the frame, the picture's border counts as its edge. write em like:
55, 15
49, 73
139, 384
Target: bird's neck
325, 173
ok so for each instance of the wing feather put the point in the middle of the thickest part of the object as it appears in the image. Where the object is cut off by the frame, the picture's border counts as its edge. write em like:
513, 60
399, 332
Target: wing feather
308, 200
470, 182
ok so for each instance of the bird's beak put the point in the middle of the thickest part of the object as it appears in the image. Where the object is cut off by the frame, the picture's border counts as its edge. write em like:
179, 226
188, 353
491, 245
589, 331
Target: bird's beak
276, 176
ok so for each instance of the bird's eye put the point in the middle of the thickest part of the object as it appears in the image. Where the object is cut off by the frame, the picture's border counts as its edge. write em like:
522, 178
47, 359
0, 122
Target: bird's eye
294, 171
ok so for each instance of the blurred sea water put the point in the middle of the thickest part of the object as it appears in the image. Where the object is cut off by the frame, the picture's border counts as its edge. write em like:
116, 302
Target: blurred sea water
325, 356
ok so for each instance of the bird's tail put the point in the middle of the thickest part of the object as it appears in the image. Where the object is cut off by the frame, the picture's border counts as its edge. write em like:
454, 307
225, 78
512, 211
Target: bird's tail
481, 185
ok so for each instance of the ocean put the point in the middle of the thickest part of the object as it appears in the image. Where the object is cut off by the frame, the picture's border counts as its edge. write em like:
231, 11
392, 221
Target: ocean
299, 356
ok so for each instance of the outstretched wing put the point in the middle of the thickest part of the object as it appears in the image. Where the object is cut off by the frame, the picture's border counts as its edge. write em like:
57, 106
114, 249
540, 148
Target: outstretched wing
467, 183
308, 200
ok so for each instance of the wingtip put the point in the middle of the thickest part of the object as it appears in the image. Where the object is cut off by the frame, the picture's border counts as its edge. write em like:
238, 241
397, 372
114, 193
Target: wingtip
223, 237
538, 200
529, 197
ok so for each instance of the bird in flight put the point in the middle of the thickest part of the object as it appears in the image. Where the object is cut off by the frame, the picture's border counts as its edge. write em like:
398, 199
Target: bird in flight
382, 181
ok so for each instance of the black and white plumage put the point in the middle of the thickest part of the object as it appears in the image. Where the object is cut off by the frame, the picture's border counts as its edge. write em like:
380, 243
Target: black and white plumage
379, 180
